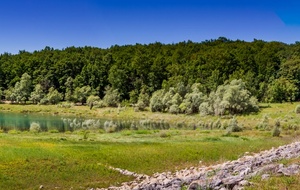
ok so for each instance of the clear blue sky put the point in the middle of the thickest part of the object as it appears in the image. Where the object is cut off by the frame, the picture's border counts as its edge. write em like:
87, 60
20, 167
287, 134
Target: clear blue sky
33, 24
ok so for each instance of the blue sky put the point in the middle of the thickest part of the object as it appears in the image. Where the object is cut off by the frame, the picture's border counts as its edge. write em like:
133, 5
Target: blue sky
33, 24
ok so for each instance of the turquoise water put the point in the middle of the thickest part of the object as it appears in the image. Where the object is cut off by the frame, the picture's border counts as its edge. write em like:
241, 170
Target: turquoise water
22, 122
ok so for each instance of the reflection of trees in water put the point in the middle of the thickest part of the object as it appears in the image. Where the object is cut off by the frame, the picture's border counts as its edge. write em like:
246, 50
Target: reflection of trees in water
9, 121
114, 125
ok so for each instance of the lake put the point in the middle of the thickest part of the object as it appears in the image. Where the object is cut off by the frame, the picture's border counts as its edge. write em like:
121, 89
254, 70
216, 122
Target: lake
22, 122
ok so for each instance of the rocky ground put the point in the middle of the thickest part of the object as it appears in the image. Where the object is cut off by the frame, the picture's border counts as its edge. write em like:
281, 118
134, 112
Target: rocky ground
228, 175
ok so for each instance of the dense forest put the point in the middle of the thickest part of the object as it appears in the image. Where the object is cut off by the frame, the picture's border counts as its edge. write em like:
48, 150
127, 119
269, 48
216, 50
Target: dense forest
269, 71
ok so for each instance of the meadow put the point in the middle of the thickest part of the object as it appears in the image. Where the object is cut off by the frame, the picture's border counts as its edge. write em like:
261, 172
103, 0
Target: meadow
81, 159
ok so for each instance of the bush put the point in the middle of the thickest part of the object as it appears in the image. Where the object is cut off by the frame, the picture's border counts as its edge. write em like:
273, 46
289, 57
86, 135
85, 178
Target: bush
112, 97
13, 131
110, 127
297, 110
163, 134
217, 124
229, 98
92, 101
99, 104
193, 100
174, 109
35, 127
53, 131
53, 97
143, 101
65, 105
276, 130
264, 124
156, 104
205, 109
233, 126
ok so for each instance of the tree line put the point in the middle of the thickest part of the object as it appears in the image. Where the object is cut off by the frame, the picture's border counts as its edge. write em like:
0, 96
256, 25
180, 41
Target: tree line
269, 71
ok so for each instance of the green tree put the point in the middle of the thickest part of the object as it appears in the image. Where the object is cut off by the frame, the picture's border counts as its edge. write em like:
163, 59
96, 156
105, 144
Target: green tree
53, 97
22, 89
8, 94
175, 103
193, 100
112, 97
233, 98
156, 103
69, 89
81, 94
143, 100
282, 90
118, 79
92, 100
37, 94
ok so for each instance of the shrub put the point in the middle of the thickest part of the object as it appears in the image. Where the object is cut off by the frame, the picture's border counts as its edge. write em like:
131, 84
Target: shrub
193, 100
13, 131
232, 98
92, 101
205, 109
276, 130
112, 97
297, 110
264, 124
282, 90
110, 127
65, 105
233, 126
218, 124
174, 109
156, 104
143, 101
164, 134
225, 125
35, 127
99, 104
53, 131
86, 135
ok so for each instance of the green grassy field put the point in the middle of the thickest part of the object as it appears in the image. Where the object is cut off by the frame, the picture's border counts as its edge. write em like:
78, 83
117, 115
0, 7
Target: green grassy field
67, 160
80, 160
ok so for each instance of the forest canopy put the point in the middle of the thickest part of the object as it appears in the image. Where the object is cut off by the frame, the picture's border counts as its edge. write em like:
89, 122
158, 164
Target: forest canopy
269, 71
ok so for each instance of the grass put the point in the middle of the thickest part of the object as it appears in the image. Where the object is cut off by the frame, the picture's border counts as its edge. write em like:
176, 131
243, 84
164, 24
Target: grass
80, 159
60, 160
278, 182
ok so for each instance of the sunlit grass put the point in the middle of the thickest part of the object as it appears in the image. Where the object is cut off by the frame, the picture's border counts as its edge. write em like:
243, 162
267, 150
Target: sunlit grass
277, 181
67, 160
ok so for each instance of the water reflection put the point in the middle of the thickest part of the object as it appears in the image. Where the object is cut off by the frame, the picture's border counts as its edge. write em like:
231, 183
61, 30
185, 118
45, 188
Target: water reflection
22, 122
18, 121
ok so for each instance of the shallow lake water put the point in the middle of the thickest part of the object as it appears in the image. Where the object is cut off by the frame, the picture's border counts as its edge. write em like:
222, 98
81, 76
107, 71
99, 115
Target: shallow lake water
23, 121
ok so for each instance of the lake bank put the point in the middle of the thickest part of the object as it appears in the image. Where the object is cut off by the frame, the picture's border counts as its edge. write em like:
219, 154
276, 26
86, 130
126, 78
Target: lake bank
283, 112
